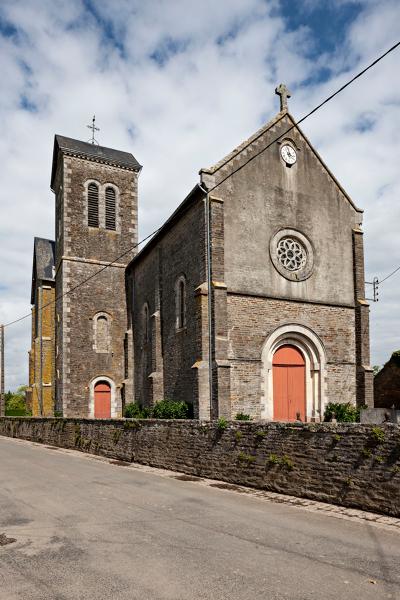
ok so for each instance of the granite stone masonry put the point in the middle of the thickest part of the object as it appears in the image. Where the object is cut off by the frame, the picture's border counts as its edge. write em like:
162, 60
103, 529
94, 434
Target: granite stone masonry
82, 250
348, 464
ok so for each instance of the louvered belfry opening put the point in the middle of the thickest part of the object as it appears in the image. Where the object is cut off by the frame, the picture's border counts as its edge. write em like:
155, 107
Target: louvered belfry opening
110, 208
93, 205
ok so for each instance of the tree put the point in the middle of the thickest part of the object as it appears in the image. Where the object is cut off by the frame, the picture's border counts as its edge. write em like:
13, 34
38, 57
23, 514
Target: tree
15, 404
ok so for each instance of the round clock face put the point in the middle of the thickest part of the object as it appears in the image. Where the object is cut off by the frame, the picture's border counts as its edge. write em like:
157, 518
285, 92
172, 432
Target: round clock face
288, 154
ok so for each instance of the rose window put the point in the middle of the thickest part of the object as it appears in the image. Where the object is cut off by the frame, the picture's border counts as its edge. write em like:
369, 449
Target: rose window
291, 254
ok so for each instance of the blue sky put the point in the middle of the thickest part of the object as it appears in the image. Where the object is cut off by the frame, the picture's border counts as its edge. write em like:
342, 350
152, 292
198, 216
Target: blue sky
179, 84
327, 21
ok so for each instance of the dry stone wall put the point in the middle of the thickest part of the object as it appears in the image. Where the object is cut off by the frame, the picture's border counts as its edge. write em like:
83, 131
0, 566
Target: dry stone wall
349, 464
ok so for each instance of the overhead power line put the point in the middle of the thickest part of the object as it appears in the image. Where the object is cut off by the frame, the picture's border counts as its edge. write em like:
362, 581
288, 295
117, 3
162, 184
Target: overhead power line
390, 275
85, 280
314, 110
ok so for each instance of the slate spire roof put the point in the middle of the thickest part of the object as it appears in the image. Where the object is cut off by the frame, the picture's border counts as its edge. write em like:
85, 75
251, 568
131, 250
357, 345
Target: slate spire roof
94, 152
43, 262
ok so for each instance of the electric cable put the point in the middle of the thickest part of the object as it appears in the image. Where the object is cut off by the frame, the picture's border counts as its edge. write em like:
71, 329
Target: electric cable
85, 280
388, 276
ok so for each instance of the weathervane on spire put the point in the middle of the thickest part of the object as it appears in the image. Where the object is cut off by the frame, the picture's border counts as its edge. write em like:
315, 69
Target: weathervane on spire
283, 94
93, 128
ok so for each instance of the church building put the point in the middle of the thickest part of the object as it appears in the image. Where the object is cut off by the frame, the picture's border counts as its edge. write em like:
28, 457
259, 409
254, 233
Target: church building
249, 299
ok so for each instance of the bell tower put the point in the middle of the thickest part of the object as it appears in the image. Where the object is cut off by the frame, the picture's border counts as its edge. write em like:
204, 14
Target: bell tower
96, 222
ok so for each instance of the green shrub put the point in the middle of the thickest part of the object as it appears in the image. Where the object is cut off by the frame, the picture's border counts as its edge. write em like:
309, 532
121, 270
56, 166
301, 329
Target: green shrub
238, 435
17, 412
344, 413
259, 436
287, 462
242, 417
248, 458
284, 461
134, 411
378, 435
274, 459
15, 404
222, 424
170, 409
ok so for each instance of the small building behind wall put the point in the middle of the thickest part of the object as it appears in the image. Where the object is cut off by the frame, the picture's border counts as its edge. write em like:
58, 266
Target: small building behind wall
387, 384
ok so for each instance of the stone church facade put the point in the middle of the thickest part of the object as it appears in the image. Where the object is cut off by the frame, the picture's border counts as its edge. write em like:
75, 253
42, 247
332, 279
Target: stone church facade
273, 237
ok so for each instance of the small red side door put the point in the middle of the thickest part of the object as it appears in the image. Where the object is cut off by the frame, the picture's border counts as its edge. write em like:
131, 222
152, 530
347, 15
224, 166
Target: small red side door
102, 400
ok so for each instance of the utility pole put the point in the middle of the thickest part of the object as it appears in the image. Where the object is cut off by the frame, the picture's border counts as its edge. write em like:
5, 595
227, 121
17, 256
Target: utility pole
2, 397
375, 289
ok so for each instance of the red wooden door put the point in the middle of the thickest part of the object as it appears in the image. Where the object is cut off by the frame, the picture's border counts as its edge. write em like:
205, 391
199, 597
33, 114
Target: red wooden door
102, 400
289, 377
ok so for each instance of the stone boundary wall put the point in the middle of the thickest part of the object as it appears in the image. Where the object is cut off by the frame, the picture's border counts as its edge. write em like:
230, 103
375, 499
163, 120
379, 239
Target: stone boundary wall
349, 464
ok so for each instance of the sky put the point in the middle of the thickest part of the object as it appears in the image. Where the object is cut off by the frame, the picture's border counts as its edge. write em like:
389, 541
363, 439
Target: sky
180, 83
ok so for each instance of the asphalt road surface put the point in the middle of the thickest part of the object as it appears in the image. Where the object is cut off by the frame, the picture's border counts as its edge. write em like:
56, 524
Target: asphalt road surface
87, 529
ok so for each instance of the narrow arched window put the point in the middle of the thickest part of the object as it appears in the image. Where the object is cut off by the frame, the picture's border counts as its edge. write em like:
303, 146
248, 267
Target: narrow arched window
102, 333
93, 205
110, 208
146, 323
180, 293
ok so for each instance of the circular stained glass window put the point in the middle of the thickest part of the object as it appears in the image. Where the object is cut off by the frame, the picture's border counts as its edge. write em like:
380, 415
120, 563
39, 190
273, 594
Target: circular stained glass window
291, 254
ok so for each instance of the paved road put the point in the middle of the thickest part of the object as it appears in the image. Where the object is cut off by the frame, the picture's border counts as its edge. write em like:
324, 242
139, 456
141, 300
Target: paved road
86, 529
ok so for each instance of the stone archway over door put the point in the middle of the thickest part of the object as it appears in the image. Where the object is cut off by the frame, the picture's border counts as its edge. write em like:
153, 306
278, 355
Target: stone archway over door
102, 400
289, 384
310, 347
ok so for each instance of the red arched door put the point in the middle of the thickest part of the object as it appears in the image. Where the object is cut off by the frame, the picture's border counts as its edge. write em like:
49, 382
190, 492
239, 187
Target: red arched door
102, 400
289, 378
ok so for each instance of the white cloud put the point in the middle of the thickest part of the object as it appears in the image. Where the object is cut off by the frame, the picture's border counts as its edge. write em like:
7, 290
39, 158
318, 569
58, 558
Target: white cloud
213, 85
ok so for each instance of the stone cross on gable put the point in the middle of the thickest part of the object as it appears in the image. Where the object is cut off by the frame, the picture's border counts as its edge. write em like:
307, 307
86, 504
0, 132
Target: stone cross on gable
283, 94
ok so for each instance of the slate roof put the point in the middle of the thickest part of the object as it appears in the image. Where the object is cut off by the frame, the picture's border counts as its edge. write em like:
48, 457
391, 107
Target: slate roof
92, 151
43, 262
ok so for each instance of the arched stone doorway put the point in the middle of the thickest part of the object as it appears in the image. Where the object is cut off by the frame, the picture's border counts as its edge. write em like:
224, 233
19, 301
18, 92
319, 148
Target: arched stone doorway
102, 400
101, 389
289, 384
312, 350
